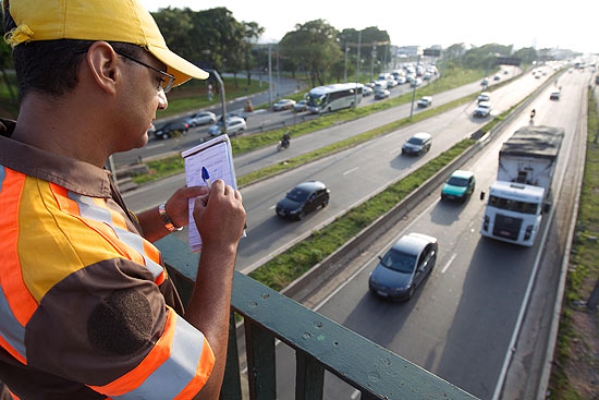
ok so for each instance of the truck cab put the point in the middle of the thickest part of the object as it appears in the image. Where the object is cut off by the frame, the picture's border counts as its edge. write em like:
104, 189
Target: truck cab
513, 212
522, 191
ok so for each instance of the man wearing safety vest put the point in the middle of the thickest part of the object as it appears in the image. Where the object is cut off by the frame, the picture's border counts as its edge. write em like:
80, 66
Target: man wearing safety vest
87, 310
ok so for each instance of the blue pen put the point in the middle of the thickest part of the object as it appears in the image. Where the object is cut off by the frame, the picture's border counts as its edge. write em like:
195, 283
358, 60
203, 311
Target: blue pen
206, 178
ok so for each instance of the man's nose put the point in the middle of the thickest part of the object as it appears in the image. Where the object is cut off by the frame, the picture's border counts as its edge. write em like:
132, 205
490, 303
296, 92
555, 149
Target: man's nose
162, 100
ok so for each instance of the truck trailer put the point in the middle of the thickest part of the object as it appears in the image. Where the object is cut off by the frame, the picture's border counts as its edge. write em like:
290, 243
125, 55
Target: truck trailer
522, 191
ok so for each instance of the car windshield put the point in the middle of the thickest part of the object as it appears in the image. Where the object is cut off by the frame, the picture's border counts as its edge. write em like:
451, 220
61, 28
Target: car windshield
513, 205
456, 181
399, 261
415, 140
298, 195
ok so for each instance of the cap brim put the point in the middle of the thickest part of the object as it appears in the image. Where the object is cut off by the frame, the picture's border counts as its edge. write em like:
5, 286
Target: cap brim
177, 66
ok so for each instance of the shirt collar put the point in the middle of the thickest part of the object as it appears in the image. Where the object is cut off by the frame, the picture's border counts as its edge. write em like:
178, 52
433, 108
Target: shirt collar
74, 175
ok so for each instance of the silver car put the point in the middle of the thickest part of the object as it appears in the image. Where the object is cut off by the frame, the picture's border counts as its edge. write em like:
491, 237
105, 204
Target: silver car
201, 118
235, 125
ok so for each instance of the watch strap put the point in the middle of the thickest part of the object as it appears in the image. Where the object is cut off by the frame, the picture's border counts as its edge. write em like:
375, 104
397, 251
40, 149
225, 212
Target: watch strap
168, 223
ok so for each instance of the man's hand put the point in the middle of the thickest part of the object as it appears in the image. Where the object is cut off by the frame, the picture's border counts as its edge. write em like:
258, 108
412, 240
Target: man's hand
177, 206
220, 215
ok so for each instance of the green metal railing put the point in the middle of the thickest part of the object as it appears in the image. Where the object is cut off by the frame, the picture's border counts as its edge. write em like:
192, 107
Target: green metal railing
320, 345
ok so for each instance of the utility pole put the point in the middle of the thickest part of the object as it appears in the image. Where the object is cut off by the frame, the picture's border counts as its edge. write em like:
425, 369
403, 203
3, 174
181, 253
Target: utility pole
345, 64
269, 75
357, 69
414, 91
222, 99
372, 55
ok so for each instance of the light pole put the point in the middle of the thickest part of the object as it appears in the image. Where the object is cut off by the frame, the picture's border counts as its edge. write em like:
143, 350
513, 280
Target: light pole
222, 98
357, 69
415, 85
372, 62
345, 64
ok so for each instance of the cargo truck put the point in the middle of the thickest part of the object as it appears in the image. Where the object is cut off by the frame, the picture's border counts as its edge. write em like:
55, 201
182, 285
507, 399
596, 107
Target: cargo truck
522, 191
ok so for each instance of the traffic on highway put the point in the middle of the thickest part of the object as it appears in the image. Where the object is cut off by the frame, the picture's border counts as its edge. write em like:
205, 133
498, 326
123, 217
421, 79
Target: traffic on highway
463, 321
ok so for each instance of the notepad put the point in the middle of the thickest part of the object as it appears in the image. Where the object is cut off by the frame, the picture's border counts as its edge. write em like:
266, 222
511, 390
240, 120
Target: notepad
217, 157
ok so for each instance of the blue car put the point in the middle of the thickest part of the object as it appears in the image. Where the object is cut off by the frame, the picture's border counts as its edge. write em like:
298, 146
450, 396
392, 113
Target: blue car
404, 267
459, 186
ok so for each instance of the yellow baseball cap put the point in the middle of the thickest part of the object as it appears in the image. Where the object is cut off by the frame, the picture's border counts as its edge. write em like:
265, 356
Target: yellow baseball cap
111, 20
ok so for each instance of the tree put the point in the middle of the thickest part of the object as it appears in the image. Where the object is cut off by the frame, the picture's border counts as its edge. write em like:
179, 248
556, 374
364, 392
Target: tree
374, 46
252, 32
212, 39
176, 26
313, 45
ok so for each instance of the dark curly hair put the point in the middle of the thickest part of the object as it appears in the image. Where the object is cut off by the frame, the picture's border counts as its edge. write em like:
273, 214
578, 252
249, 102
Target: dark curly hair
50, 67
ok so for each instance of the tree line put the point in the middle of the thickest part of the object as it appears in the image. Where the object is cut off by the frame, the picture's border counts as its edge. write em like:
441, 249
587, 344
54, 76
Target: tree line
215, 40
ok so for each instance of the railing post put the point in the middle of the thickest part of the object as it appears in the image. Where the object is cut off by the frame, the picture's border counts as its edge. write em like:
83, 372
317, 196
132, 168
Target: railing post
231, 389
260, 347
309, 377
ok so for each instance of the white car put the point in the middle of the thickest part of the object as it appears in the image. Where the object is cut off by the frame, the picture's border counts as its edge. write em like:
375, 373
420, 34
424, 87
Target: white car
283, 104
483, 110
201, 118
484, 96
235, 125
425, 101
381, 94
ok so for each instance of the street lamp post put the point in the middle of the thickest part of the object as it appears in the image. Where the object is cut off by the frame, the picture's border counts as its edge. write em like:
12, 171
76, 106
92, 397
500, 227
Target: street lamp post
415, 85
357, 69
372, 62
345, 64
222, 98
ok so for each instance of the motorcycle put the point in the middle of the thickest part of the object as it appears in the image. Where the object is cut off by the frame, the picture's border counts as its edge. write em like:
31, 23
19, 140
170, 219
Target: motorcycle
283, 144
532, 116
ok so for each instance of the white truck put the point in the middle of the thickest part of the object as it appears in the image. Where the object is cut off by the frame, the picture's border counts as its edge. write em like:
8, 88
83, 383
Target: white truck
522, 191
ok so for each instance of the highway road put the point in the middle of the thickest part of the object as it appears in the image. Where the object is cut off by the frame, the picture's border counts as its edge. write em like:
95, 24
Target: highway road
268, 235
258, 121
352, 176
462, 324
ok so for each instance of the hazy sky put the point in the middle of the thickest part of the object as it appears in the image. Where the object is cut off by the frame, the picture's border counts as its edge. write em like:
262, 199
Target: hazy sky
570, 25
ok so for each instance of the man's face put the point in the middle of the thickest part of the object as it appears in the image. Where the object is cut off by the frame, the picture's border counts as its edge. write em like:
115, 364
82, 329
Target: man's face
141, 96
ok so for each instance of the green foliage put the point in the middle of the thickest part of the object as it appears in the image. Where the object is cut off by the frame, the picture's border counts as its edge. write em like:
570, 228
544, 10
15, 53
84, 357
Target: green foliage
312, 45
584, 255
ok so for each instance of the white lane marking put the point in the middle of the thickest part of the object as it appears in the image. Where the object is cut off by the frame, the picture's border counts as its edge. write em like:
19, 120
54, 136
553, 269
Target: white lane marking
153, 146
351, 170
355, 394
446, 267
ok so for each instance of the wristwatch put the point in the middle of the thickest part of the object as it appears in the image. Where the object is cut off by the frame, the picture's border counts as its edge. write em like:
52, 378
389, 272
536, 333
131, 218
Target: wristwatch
168, 223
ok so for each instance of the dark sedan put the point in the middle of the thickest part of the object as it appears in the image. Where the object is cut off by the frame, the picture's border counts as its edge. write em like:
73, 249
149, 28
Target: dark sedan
170, 129
404, 267
302, 199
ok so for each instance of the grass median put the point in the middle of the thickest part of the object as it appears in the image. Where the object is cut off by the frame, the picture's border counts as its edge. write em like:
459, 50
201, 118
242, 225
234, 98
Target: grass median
575, 373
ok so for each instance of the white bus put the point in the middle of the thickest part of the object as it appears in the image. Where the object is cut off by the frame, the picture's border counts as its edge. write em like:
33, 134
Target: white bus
334, 97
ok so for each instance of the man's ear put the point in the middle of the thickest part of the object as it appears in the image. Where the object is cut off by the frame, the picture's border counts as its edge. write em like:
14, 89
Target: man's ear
103, 64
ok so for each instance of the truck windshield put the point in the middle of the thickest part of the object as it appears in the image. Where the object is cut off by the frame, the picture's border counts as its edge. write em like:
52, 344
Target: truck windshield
512, 205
